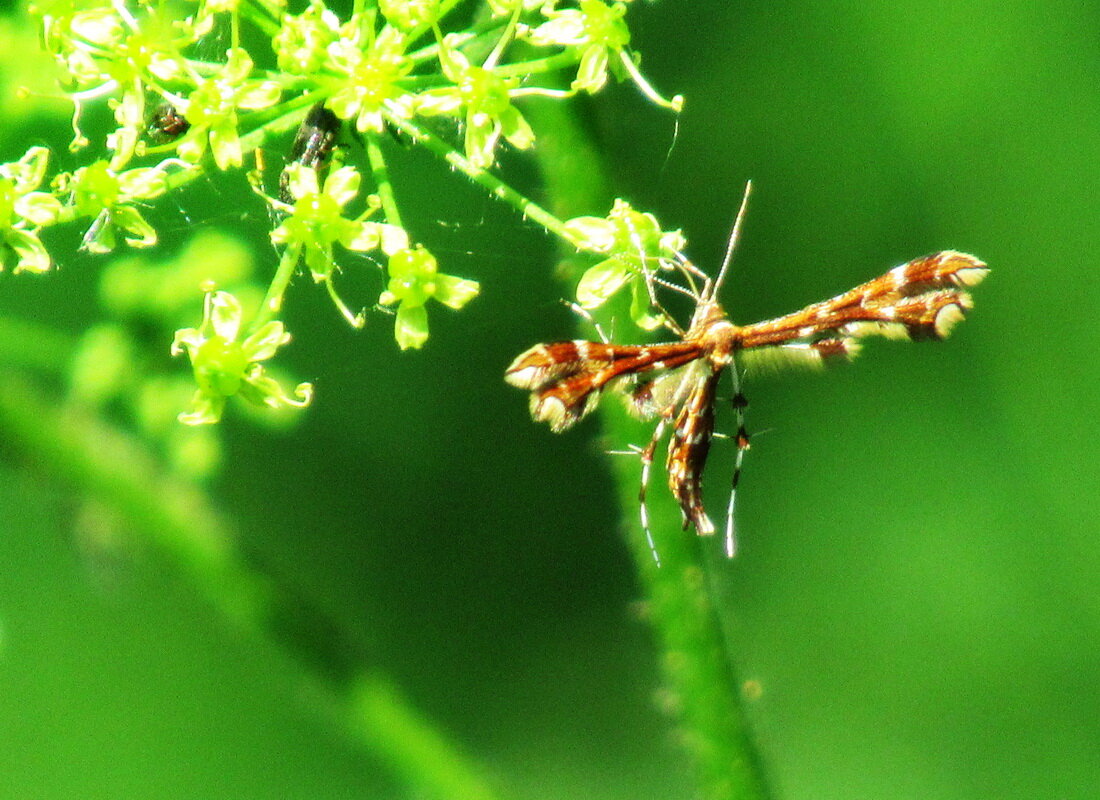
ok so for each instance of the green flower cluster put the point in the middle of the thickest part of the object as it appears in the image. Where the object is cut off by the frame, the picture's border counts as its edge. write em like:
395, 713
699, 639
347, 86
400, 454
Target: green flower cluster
388, 66
635, 249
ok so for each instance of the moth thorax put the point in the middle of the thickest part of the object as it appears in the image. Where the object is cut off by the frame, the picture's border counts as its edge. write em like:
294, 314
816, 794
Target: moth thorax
707, 315
711, 328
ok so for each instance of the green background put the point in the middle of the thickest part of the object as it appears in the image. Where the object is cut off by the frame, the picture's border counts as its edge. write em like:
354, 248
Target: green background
916, 596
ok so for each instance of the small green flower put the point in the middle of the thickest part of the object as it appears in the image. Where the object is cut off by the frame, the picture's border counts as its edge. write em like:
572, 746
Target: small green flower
415, 279
303, 39
370, 69
504, 8
596, 30
111, 199
409, 14
23, 210
482, 99
212, 110
635, 247
316, 223
226, 365
217, 6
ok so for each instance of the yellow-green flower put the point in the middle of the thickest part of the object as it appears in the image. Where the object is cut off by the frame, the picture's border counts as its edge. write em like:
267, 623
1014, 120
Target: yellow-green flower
414, 279
23, 210
634, 246
212, 110
225, 364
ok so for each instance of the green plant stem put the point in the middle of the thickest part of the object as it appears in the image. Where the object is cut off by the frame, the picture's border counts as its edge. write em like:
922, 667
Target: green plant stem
263, 14
178, 525
695, 658
382, 181
481, 177
445, 8
273, 299
545, 65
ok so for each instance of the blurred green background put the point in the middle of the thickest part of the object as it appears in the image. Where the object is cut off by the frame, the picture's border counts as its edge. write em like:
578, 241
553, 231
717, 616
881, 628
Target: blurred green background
917, 593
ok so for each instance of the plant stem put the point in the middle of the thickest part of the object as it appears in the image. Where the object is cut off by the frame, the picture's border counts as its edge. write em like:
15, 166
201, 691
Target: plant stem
273, 299
180, 528
694, 653
382, 181
483, 178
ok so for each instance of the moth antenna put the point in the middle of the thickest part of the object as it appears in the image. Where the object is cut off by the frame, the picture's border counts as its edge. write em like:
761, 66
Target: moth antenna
688, 271
691, 272
675, 287
735, 235
666, 318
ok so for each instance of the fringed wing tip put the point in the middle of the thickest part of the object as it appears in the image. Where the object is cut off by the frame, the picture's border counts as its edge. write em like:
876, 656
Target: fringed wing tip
528, 368
557, 413
967, 271
801, 355
702, 523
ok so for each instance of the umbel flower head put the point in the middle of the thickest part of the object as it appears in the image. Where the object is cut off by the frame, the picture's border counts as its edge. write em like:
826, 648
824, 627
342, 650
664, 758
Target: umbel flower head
226, 365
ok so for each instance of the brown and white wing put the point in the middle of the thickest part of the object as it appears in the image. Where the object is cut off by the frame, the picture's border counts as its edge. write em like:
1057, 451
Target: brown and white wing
565, 378
921, 299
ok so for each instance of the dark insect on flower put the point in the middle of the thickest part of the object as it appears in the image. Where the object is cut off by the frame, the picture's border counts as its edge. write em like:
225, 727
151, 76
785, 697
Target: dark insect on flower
677, 382
313, 146
166, 124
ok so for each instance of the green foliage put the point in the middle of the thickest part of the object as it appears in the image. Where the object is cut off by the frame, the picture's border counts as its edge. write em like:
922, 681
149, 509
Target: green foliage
913, 607
180, 115
392, 66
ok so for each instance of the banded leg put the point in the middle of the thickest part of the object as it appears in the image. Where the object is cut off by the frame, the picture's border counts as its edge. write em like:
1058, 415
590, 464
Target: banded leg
647, 462
591, 320
742, 442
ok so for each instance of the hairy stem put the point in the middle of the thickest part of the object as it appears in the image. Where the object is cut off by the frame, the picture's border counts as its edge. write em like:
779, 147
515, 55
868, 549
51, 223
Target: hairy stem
482, 177
695, 661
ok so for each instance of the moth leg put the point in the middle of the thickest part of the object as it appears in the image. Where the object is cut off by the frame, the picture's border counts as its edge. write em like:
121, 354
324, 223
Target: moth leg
631, 450
647, 462
739, 404
583, 314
